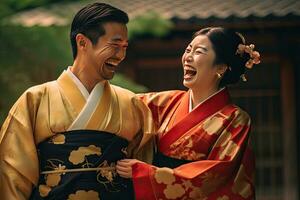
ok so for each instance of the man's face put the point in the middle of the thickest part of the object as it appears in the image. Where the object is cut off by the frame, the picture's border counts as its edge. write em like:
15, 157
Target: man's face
109, 51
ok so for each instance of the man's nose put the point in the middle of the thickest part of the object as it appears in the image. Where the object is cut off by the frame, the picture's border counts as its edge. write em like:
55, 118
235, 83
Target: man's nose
120, 53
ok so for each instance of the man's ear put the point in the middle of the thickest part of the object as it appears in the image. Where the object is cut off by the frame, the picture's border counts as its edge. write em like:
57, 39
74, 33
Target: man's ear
81, 41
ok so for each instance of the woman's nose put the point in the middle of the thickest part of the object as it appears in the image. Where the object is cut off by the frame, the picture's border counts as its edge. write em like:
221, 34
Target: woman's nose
188, 57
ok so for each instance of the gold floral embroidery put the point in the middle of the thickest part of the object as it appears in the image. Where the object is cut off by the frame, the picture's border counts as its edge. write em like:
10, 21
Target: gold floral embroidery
240, 185
225, 197
52, 179
223, 139
187, 154
187, 184
164, 175
183, 148
78, 156
44, 190
58, 139
174, 191
124, 151
107, 172
230, 150
84, 195
195, 192
213, 125
242, 119
210, 182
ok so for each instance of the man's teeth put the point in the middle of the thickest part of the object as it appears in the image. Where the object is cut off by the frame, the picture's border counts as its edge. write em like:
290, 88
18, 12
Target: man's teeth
110, 63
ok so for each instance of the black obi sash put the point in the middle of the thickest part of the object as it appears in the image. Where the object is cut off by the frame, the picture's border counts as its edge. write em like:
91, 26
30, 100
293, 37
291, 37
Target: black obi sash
161, 160
82, 149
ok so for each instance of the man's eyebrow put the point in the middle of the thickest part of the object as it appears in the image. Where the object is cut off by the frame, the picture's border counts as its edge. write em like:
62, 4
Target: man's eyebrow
118, 39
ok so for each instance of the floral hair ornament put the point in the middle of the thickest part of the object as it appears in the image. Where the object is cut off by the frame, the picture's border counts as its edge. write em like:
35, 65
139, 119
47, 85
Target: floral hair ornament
254, 56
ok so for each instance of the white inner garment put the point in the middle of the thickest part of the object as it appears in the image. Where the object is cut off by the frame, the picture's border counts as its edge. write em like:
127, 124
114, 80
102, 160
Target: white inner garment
191, 99
90, 106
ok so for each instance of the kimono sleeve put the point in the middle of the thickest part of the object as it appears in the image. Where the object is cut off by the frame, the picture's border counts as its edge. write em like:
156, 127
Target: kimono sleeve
226, 173
18, 154
144, 138
160, 103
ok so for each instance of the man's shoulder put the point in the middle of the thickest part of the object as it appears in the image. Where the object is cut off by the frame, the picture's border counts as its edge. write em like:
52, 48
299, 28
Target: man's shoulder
124, 91
163, 95
37, 91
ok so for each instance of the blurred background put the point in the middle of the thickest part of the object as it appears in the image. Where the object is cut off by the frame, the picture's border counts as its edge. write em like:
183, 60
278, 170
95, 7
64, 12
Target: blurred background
35, 48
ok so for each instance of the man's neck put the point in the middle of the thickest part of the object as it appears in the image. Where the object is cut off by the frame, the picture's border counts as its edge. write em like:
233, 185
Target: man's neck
85, 75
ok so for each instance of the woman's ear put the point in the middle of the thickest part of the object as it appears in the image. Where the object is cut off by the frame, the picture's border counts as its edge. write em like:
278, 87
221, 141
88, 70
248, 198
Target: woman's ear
221, 69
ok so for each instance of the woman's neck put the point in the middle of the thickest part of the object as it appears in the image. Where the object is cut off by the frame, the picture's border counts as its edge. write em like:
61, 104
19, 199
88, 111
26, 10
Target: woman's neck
199, 95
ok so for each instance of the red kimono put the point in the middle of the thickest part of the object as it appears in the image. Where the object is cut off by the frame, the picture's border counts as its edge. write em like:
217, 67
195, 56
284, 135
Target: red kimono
202, 154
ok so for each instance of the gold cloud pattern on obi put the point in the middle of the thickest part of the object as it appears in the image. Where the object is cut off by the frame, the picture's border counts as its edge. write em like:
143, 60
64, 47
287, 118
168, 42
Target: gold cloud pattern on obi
84, 195
78, 156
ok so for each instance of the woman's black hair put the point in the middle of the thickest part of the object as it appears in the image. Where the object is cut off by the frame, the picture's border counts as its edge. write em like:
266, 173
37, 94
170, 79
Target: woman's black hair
225, 44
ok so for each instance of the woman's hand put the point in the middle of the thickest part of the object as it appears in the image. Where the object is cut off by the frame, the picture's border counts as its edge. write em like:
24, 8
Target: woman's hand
124, 167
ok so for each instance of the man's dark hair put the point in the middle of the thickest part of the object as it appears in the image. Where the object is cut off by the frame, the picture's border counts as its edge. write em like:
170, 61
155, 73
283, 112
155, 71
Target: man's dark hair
89, 22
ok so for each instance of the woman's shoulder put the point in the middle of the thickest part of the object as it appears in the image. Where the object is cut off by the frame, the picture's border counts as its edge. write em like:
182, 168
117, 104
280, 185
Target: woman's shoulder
240, 114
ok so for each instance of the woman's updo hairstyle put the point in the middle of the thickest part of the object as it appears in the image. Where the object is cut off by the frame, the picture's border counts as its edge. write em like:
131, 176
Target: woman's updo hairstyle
225, 43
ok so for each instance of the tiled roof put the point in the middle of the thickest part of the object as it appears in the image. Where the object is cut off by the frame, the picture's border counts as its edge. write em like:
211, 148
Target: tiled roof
61, 13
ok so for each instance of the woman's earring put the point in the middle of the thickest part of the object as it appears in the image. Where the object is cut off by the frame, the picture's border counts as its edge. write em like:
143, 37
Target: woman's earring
219, 75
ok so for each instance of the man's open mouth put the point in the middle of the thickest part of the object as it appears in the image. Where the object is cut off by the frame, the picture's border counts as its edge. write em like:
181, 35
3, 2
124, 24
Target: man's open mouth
111, 65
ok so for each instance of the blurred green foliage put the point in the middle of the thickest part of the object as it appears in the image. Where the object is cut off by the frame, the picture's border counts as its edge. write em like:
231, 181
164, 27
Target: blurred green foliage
8, 7
30, 56
150, 23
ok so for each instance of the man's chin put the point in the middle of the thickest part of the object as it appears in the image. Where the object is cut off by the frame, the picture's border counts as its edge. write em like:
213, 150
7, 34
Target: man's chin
108, 76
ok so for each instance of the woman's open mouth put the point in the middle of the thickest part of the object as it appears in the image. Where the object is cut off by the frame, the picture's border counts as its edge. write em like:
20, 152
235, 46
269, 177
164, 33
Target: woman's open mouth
189, 72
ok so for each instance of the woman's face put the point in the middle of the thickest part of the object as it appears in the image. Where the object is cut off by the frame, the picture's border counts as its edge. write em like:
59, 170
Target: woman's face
198, 64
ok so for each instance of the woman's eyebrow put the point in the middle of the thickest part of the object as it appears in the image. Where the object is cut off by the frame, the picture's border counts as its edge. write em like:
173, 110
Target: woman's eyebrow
202, 47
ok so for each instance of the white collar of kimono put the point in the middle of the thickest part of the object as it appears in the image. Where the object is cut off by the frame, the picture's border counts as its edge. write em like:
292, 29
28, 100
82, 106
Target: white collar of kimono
191, 99
90, 106
80, 86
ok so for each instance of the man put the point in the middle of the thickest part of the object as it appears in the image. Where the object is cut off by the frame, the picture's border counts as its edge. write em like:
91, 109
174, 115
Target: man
61, 139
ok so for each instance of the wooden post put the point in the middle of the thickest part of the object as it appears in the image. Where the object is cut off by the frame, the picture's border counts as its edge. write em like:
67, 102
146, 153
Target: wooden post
289, 130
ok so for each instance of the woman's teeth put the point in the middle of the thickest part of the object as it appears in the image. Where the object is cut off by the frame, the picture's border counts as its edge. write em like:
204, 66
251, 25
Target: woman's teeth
189, 72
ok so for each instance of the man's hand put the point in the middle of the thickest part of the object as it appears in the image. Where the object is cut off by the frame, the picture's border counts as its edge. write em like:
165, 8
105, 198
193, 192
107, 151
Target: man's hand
124, 167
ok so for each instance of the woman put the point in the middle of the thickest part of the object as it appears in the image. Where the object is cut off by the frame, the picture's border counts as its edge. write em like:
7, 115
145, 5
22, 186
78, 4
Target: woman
202, 142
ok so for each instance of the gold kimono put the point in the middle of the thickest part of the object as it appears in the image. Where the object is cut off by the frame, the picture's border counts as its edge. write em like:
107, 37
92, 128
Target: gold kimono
57, 107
